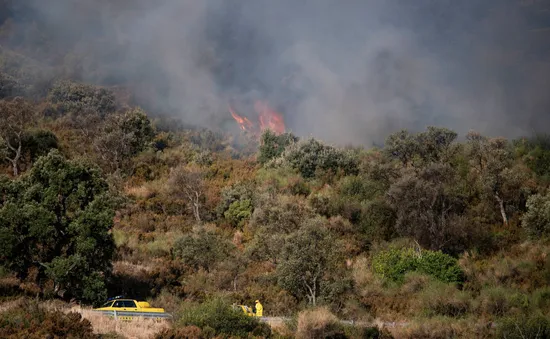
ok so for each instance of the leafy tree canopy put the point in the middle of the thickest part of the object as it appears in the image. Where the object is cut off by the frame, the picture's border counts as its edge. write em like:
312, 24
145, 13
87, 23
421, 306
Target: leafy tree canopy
56, 221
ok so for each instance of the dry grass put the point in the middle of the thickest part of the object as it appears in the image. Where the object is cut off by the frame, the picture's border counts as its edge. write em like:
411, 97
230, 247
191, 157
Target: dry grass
8, 305
129, 268
442, 327
135, 329
141, 192
313, 323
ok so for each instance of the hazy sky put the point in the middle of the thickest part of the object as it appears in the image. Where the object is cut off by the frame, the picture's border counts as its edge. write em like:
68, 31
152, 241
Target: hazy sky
341, 70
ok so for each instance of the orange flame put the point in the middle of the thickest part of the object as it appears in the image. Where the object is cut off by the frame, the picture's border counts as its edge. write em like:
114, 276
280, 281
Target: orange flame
243, 122
268, 118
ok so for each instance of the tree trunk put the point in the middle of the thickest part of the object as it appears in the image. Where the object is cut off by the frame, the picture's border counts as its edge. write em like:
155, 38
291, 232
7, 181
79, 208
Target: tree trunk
502, 210
196, 211
15, 160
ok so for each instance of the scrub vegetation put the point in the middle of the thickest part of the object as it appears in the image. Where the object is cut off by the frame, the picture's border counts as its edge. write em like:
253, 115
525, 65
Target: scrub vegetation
432, 235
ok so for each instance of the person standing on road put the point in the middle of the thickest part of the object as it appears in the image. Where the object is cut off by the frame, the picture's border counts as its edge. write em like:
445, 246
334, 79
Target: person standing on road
259, 309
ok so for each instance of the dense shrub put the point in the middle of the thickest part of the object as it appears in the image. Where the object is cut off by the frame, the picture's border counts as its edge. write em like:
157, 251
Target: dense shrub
31, 321
532, 326
536, 220
71, 97
499, 301
39, 142
272, 145
394, 263
55, 225
218, 315
184, 332
201, 250
319, 323
443, 299
10, 86
238, 212
311, 156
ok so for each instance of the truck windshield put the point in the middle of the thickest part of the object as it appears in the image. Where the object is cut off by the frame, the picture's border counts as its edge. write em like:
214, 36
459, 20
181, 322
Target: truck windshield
107, 304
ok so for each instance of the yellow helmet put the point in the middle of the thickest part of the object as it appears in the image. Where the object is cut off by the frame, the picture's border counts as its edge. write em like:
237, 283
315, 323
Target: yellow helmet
257, 301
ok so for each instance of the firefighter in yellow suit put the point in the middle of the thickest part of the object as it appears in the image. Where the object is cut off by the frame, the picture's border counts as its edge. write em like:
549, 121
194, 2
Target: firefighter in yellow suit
259, 309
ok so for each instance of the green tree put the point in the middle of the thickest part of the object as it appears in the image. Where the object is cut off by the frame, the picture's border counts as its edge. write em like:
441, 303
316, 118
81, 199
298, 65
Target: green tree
9, 86
428, 208
231, 194
309, 263
16, 116
273, 145
436, 144
188, 183
238, 212
202, 249
57, 220
75, 98
122, 137
537, 218
37, 143
495, 171
310, 156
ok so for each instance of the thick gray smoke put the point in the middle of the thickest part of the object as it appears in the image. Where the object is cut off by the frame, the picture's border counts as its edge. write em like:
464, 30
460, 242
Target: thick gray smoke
344, 71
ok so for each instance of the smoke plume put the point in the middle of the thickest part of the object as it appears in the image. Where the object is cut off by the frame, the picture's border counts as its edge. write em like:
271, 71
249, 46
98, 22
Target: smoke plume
344, 71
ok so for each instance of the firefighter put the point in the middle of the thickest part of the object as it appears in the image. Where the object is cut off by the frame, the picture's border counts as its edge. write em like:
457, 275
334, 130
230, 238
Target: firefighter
259, 309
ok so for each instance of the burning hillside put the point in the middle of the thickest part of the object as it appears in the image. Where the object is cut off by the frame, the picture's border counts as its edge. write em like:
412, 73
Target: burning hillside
266, 118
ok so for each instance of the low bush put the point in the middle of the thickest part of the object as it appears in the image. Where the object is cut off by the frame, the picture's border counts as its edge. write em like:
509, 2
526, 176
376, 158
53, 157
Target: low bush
184, 332
217, 316
499, 301
394, 263
443, 328
29, 320
532, 326
443, 299
319, 323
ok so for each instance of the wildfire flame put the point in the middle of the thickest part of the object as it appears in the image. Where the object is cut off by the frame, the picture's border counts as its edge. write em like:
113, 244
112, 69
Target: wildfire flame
243, 122
268, 118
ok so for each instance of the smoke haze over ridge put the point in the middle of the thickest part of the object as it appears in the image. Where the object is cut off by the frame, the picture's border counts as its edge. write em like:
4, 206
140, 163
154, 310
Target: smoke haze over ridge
343, 71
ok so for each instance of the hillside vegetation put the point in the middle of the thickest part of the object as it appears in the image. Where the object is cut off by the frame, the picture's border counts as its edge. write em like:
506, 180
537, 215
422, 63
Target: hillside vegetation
433, 235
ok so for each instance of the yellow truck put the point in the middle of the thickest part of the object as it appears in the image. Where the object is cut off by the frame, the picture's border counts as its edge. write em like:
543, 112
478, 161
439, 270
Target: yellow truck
128, 309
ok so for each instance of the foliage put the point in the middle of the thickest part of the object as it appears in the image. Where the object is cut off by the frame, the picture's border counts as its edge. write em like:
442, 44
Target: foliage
238, 212
16, 117
535, 152
188, 184
434, 145
394, 263
57, 220
184, 332
309, 259
29, 320
218, 315
532, 326
273, 145
10, 86
39, 142
201, 250
76, 98
536, 219
310, 156
319, 323
240, 191
122, 137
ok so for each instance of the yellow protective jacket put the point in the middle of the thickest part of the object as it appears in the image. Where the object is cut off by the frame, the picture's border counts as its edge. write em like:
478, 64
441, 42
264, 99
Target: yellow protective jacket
259, 310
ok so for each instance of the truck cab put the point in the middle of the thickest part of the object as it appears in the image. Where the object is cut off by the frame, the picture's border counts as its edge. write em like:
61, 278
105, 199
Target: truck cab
128, 305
